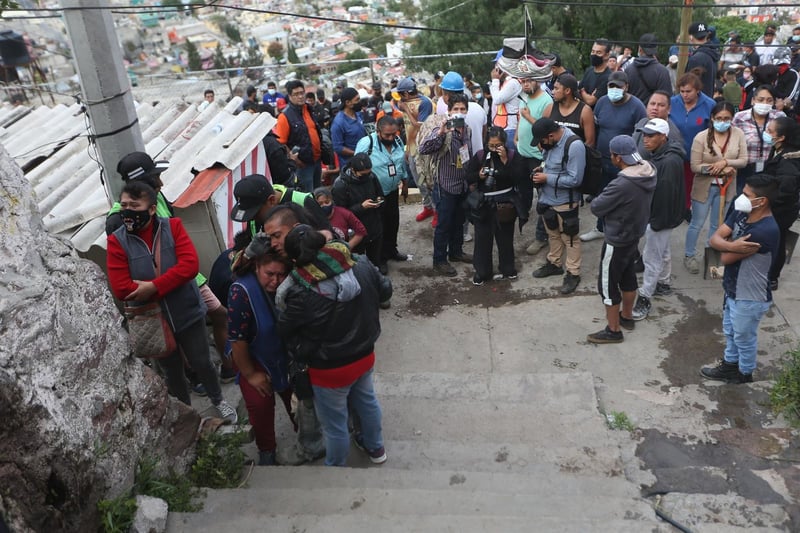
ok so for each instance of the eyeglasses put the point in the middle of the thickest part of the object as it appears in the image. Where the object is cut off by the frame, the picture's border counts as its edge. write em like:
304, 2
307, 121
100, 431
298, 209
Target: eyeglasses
298, 93
493, 146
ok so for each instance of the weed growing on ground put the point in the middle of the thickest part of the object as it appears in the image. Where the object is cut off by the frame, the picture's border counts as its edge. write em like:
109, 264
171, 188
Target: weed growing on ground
176, 490
219, 460
116, 516
618, 420
785, 394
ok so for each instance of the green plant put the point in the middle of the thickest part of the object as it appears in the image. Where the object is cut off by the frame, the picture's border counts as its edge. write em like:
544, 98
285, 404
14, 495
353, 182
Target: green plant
116, 516
219, 460
176, 490
618, 420
785, 394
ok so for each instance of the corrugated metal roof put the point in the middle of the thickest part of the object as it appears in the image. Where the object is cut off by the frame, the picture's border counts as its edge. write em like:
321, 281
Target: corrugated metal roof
66, 181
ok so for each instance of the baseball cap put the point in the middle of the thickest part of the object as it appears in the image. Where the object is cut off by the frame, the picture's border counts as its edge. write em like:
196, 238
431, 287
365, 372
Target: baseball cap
625, 147
673, 59
140, 166
406, 85
568, 81
542, 128
360, 162
769, 31
618, 79
648, 44
251, 192
699, 29
655, 125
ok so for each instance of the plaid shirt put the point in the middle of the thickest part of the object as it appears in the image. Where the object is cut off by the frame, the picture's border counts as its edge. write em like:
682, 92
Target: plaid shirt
757, 149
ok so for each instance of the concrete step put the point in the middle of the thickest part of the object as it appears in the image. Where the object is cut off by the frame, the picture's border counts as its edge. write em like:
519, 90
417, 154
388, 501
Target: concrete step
381, 492
258, 522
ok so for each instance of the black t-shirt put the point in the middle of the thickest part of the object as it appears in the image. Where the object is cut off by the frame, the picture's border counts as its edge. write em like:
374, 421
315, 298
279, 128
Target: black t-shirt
593, 81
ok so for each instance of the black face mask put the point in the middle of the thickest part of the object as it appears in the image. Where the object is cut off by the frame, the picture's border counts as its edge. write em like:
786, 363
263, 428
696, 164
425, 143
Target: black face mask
595, 60
357, 107
135, 220
327, 209
387, 144
546, 146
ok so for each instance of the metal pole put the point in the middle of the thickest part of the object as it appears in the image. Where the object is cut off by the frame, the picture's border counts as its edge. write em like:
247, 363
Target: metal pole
105, 85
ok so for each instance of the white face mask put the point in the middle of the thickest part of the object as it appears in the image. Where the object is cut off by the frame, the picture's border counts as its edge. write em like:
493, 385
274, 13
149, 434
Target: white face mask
762, 109
615, 94
743, 204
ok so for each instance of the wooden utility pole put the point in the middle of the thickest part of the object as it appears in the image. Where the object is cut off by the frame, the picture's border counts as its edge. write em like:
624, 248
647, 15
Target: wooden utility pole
686, 20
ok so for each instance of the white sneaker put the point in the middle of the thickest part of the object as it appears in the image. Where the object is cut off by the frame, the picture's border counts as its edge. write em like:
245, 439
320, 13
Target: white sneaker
467, 237
227, 412
592, 235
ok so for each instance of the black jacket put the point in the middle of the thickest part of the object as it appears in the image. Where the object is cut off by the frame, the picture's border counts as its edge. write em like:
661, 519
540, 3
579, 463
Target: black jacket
281, 168
786, 167
706, 57
335, 331
645, 76
625, 204
350, 192
669, 199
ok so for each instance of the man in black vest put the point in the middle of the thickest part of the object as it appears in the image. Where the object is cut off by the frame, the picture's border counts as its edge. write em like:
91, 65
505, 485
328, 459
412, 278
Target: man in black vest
297, 129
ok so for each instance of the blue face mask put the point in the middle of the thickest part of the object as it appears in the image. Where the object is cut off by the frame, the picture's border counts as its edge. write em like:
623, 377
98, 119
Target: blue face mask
615, 94
722, 126
766, 137
796, 38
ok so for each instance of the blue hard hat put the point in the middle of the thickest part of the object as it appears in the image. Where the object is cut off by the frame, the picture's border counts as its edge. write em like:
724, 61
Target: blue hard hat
452, 81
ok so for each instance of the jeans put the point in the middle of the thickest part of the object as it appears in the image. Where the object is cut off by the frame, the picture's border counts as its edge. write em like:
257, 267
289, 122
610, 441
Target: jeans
331, 407
700, 212
309, 176
448, 237
194, 343
424, 190
740, 319
261, 412
657, 260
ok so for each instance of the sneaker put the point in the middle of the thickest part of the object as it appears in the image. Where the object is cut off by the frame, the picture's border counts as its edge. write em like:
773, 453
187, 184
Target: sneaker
387, 304
463, 258
571, 282
605, 336
642, 308
227, 413
691, 264
592, 235
445, 269
662, 289
376, 456
398, 256
291, 456
745, 378
266, 459
467, 237
477, 280
426, 212
773, 284
548, 269
723, 371
383, 268
501, 277
200, 390
535, 247
435, 220
626, 323
226, 375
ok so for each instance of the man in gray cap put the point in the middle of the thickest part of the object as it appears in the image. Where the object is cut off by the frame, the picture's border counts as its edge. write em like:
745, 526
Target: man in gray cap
625, 206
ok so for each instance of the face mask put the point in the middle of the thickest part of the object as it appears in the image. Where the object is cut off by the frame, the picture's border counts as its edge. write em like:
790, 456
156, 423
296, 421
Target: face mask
387, 144
357, 107
477, 96
327, 209
458, 115
272, 91
722, 126
546, 145
796, 38
762, 109
135, 220
615, 94
596, 61
743, 204
766, 137
746, 75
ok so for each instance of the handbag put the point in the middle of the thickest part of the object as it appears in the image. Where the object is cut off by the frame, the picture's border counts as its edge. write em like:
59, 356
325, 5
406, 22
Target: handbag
506, 212
149, 333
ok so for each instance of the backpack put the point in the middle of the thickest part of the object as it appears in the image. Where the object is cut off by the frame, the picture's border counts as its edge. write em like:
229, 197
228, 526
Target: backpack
427, 165
592, 172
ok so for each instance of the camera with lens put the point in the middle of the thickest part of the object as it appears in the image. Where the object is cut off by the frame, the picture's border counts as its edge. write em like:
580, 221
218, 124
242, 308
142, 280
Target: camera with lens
491, 175
454, 123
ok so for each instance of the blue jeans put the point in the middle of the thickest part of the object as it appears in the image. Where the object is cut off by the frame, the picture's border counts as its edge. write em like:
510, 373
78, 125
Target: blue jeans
740, 319
700, 212
308, 176
448, 237
331, 407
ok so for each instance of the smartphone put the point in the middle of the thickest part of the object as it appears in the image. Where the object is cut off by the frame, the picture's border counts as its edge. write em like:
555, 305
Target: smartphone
705, 169
379, 201
295, 150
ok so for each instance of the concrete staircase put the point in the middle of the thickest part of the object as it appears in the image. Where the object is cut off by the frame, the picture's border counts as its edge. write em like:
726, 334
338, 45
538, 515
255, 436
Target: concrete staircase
467, 452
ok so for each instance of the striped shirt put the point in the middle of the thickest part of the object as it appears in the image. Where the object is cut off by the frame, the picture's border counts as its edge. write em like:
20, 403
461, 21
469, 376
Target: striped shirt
757, 149
452, 171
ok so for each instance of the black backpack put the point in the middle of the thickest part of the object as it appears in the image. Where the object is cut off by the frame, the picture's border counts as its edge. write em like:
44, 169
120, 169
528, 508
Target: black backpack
592, 172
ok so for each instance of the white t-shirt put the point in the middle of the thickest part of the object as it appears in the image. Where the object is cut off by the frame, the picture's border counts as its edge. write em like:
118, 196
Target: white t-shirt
507, 94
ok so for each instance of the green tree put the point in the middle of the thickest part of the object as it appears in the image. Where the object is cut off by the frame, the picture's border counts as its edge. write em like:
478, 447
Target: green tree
254, 57
219, 58
374, 38
748, 31
275, 50
233, 33
347, 67
291, 55
177, 4
194, 55
354, 3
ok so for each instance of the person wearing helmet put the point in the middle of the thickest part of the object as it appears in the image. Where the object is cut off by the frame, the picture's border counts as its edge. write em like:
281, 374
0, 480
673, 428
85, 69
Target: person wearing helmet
505, 92
788, 83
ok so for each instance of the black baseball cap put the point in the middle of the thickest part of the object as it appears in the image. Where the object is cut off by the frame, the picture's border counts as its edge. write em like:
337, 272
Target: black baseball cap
251, 192
140, 166
699, 30
542, 128
648, 43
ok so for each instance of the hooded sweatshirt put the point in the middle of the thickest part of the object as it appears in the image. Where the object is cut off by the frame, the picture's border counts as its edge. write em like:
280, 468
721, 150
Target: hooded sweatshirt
669, 199
705, 57
625, 204
645, 76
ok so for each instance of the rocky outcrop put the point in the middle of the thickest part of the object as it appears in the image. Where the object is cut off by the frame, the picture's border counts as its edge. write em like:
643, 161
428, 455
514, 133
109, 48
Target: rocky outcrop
77, 411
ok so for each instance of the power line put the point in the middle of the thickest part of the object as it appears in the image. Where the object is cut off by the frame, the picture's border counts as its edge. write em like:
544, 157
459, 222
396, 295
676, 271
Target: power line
628, 4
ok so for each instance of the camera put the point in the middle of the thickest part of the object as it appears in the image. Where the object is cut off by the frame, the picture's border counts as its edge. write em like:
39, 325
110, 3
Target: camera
491, 175
455, 123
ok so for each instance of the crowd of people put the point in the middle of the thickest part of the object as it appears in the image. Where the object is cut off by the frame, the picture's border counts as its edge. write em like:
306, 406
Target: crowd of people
304, 281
